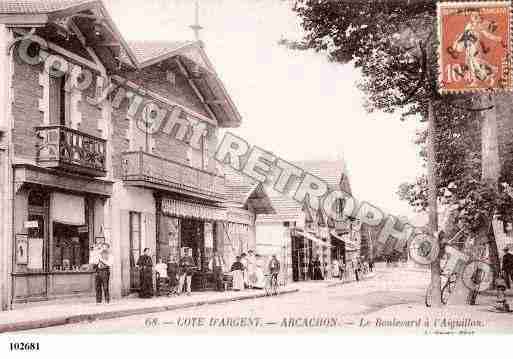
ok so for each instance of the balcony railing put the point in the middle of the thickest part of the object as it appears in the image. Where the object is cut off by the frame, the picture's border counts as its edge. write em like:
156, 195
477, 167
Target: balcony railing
148, 170
71, 150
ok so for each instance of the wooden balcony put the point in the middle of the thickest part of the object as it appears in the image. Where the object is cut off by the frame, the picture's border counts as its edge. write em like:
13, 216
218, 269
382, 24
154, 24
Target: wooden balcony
147, 170
70, 150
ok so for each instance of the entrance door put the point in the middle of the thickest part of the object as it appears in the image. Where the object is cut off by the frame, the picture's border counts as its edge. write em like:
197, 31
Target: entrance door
295, 260
37, 285
135, 249
192, 236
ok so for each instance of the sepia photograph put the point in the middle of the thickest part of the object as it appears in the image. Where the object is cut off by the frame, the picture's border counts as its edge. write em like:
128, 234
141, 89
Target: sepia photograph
255, 167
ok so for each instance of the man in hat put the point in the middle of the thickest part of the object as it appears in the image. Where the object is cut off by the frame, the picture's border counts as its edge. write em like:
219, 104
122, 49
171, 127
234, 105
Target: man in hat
102, 263
507, 267
217, 266
186, 266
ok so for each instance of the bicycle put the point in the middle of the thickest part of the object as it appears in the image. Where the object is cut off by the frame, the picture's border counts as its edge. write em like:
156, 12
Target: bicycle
450, 283
271, 284
447, 289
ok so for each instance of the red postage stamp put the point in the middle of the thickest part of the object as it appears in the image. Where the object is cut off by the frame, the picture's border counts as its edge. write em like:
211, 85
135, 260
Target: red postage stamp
474, 46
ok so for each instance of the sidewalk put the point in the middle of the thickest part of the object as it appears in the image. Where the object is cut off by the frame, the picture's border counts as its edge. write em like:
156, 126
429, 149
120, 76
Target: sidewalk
67, 312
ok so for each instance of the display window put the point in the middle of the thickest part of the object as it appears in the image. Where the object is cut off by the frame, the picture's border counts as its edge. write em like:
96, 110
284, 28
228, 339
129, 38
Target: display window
70, 247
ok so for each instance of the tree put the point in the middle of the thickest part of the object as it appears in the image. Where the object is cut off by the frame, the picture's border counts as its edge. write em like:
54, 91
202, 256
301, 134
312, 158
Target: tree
393, 44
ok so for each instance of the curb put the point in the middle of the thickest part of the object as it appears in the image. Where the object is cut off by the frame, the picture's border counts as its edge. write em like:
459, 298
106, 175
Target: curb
78, 318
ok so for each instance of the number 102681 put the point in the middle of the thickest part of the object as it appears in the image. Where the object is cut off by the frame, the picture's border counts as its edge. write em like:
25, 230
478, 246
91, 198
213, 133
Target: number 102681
24, 346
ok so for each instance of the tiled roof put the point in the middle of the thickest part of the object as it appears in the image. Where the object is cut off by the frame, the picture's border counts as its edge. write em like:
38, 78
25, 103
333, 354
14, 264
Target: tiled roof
238, 186
285, 207
38, 6
148, 50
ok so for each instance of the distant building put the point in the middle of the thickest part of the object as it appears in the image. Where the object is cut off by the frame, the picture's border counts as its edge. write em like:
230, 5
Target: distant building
298, 234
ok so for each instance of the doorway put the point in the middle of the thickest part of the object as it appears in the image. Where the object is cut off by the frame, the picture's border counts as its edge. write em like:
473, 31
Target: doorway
192, 236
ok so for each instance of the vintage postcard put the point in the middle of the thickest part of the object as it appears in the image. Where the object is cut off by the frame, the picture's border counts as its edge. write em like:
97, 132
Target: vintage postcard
236, 167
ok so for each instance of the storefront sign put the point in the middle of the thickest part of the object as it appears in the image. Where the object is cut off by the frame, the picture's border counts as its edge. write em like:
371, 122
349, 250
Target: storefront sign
474, 46
31, 224
240, 216
67, 209
176, 208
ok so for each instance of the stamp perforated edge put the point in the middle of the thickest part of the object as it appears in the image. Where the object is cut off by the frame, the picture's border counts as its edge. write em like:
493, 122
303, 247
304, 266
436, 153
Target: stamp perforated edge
477, 4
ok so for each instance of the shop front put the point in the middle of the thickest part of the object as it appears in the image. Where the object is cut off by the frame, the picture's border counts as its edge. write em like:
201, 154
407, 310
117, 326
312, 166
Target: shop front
347, 249
305, 248
239, 234
190, 225
56, 228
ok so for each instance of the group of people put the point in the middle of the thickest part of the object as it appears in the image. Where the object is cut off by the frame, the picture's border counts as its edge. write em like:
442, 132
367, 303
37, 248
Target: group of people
339, 269
177, 276
248, 271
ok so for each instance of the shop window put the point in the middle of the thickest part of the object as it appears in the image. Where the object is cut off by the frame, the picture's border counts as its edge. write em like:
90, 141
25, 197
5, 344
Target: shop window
135, 237
70, 233
70, 247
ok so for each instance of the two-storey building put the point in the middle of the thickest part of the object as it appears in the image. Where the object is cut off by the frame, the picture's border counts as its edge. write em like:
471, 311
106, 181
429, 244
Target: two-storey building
102, 141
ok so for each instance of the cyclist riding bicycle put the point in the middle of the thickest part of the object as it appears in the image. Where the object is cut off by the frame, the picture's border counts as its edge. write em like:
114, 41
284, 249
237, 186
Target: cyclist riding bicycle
274, 268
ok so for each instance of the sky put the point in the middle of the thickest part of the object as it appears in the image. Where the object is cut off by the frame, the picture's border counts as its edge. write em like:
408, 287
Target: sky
295, 104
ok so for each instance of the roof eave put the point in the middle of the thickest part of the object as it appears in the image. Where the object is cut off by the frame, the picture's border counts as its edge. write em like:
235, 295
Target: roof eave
24, 20
229, 121
98, 5
233, 121
116, 31
42, 19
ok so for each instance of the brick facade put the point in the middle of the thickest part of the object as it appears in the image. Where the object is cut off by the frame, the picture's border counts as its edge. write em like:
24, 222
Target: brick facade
86, 146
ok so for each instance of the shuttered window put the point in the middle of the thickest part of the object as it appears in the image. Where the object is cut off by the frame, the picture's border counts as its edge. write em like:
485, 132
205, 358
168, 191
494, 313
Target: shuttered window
58, 105
135, 237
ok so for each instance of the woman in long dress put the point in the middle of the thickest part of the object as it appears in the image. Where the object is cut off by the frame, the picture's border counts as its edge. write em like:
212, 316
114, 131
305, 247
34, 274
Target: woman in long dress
259, 282
317, 272
251, 260
238, 278
145, 265
244, 262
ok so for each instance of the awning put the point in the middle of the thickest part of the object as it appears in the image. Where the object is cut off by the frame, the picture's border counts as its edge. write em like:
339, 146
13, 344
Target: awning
67, 209
349, 246
312, 238
176, 208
